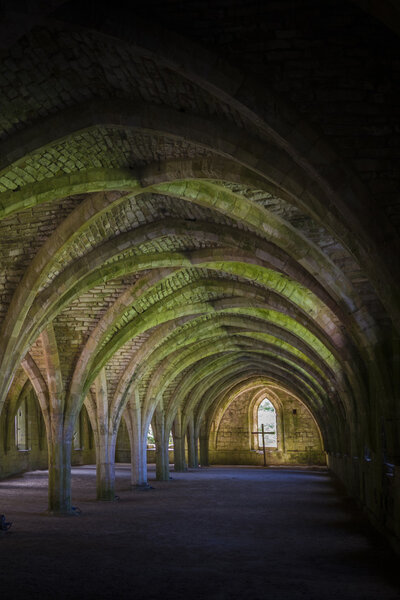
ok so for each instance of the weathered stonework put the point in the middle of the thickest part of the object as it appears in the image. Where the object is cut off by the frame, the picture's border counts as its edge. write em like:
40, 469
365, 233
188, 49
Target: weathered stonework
233, 440
14, 461
195, 203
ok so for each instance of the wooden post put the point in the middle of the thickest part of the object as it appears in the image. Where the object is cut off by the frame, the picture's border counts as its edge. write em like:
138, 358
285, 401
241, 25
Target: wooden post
263, 440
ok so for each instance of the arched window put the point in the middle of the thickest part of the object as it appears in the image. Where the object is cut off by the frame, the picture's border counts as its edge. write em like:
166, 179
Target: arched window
266, 416
21, 427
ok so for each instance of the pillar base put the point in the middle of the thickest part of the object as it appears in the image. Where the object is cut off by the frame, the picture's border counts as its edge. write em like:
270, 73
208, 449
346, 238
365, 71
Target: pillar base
105, 495
74, 511
141, 487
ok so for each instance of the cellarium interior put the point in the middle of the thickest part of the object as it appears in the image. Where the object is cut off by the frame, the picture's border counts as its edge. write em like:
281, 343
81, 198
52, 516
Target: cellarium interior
199, 215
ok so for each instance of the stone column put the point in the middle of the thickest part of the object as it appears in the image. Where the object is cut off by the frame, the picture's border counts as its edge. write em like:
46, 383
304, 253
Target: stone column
59, 443
204, 458
59, 436
138, 443
59, 490
105, 466
193, 459
139, 461
179, 445
162, 456
105, 438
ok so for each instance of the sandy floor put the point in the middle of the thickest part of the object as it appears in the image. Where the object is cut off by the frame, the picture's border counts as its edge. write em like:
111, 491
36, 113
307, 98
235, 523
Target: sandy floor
218, 533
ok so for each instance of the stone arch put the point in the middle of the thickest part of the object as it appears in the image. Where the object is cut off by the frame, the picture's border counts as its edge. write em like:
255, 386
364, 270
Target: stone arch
237, 242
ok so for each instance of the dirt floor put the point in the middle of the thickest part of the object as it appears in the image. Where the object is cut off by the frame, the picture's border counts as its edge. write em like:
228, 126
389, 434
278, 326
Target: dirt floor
217, 533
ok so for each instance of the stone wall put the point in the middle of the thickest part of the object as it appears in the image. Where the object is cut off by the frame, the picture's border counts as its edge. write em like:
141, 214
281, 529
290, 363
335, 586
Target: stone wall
298, 441
376, 487
14, 461
302, 441
233, 432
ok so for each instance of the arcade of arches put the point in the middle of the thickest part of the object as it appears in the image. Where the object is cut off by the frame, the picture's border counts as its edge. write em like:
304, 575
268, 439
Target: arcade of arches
199, 210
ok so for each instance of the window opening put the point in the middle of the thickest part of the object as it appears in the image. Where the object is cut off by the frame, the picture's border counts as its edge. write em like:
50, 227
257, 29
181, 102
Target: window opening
21, 427
151, 440
267, 417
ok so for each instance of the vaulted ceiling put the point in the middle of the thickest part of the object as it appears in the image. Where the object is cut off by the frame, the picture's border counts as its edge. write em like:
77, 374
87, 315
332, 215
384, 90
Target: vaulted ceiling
198, 195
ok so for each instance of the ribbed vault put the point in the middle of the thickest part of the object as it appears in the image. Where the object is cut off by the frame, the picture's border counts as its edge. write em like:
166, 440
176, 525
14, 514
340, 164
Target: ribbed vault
173, 229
